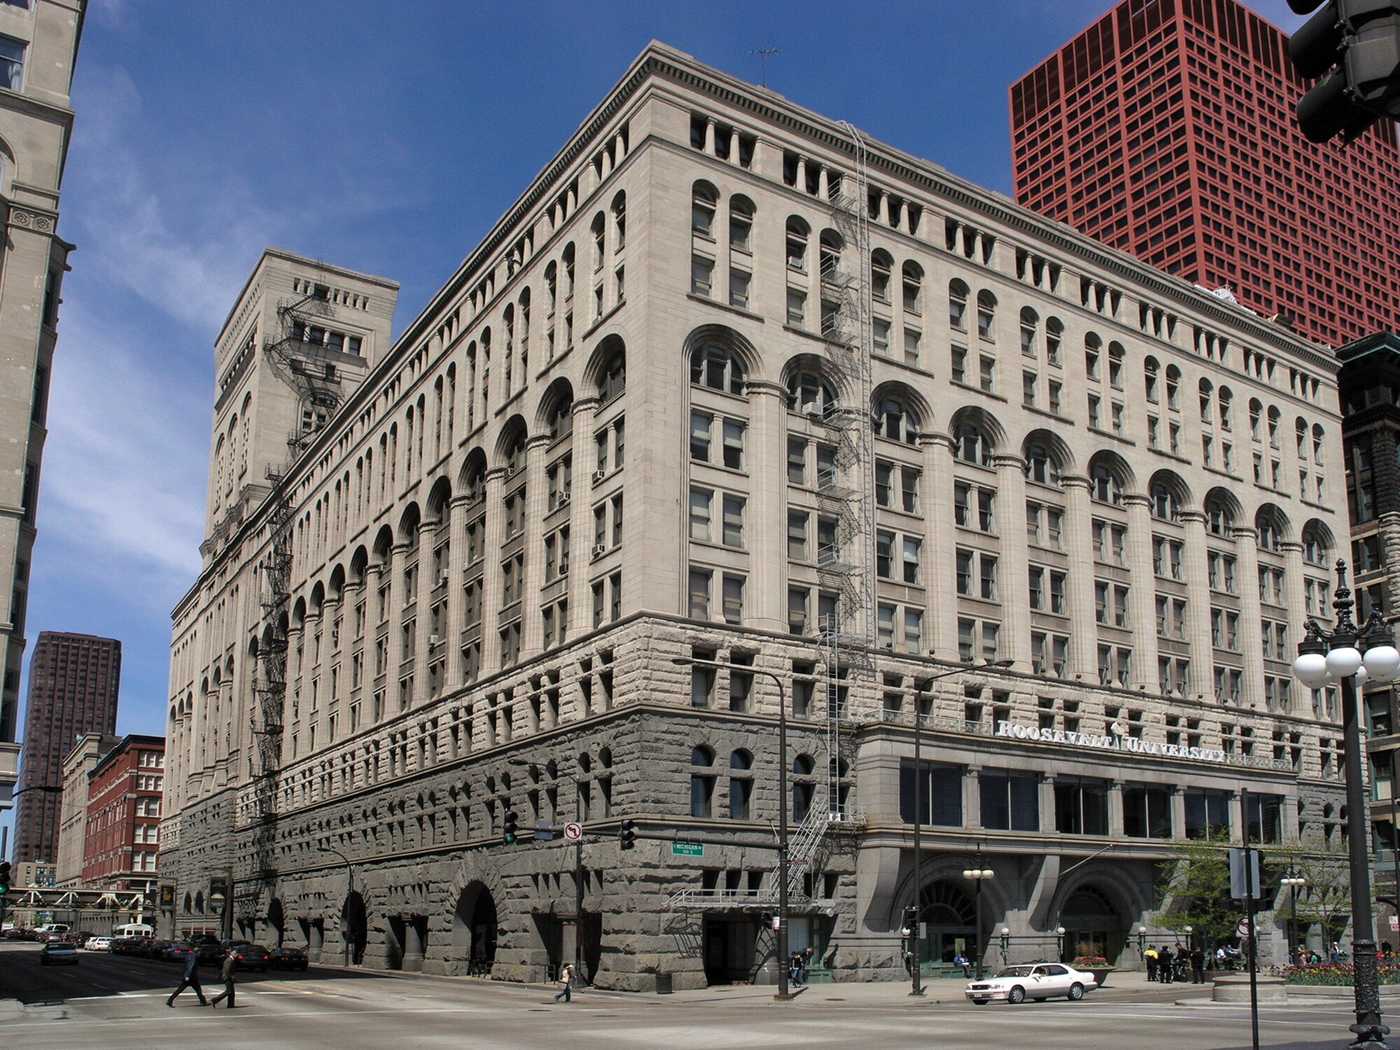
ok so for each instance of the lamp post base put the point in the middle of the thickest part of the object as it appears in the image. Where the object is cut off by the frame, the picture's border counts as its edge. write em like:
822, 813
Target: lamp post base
1369, 1037
784, 997
917, 992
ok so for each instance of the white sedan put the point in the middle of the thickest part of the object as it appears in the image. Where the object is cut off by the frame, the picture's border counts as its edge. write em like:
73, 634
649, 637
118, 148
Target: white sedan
1016, 984
98, 944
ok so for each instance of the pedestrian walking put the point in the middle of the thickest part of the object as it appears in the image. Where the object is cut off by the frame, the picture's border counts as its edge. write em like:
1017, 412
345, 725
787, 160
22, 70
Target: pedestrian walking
230, 964
807, 957
795, 968
190, 979
961, 960
1150, 958
1164, 964
1198, 965
566, 984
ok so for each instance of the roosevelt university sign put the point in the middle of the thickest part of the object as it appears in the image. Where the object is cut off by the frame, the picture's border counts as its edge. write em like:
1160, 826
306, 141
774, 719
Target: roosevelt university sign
1116, 742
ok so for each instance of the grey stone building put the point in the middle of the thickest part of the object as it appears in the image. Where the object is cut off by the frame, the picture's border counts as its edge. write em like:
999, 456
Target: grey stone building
38, 52
886, 426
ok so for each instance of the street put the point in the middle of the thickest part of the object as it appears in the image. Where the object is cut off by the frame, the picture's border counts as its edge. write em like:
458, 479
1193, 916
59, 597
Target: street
119, 1003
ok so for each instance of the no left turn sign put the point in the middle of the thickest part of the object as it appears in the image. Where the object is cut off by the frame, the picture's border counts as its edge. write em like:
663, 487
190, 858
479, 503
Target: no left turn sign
573, 832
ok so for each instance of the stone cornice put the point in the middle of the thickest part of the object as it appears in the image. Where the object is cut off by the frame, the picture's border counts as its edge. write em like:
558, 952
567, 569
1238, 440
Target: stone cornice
34, 219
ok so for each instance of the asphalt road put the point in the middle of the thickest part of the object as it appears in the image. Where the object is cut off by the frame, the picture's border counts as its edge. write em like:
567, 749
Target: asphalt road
119, 1003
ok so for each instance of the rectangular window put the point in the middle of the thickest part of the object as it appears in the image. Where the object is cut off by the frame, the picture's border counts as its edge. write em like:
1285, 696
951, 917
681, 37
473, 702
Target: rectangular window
797, 534
798, 598
1081, 806
733, 535
733, 598
1207, 814
913, 630
797, 461
739, 281
1010, 801
11, 63
796, 307
700, 504
939, 791
733, 444
1147, 811
702, 275
700, 436
912, 549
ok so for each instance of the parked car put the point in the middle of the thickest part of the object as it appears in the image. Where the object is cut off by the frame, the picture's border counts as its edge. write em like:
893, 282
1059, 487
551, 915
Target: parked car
1016, 984
252, 956
175, 951
151, 948
98, 944
210, 952
288, 958
57, 953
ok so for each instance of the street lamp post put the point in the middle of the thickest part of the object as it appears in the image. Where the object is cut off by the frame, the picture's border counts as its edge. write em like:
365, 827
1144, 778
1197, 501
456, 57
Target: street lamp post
349, 889
686, 661
1324, 658
979, 874
1293, 881
1060, 943
917, 987
1005, 943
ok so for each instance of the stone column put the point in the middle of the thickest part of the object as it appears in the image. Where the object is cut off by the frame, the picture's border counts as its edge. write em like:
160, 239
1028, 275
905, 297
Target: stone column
1077, 530
766, 603
1289, 818
412, 946
293, 702
397, 599
427, 533
1198, 604
972, 797
1251, 630
532, 625
1293, 592
456, 594
332, 648
491, 573
1047, 802
581, 515
941, 613
710, 136
1014, 583
1178, 812
1142, 594
1236, 819
1115, 809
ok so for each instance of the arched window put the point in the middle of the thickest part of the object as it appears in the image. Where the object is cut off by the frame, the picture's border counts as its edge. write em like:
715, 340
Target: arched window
718, 368
1315, 549
741, 213
896, 421
1223, 399
1300, 428
515, 454
798, 233
1256, 412
1269, 525
1166, 506
702, 785
881, 266
1318, 440
913, 278
957, 305
810, 393
599, 229
1105, 486
1206, 390
614, 380
1149, 379
619, 217
1054, 336
1173, 386
740, 784
1030, 331
986, 313
1040, 465
704, 200
561, 417
1273, 426
551, 287
1220, 519
971, 445
831, 246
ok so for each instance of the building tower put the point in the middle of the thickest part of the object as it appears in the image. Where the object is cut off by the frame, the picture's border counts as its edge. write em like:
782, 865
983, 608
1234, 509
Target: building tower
38, 49
73, 684
1166, 129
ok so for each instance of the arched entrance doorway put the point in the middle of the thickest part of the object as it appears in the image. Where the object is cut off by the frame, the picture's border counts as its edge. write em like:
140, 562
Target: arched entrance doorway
354, 927
276, 922
474, 924
950, 915
1093, 925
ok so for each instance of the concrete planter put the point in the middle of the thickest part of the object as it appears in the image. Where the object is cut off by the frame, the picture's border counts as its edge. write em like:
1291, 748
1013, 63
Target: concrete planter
1234, 988
1101, 974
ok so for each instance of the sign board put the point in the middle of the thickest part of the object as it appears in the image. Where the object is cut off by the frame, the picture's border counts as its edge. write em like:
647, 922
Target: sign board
1395, 924
1242, 929
573, 832
777, 923
687, 849
1116, 742
544, 831
1237, 874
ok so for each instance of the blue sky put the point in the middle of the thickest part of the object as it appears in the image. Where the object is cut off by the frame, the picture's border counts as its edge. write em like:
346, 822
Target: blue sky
387, 138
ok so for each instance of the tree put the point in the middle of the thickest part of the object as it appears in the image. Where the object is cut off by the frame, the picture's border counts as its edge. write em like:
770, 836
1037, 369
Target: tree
1326, 899
1195, 890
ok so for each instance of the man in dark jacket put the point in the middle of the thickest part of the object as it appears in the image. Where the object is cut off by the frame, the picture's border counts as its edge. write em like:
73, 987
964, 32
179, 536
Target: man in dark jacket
230, 964
189, 980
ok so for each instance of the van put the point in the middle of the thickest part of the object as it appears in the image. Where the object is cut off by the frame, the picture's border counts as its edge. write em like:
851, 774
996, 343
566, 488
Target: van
133, 929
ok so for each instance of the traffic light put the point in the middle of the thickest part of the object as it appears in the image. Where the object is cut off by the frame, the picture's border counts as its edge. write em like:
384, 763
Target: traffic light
1354, 45
510, 833
4, 877
627, 834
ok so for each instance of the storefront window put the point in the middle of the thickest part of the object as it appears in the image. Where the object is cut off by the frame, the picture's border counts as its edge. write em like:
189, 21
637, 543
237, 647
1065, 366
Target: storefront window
1081, 806
1207, 814
1147, 811
941, 794
1010, 801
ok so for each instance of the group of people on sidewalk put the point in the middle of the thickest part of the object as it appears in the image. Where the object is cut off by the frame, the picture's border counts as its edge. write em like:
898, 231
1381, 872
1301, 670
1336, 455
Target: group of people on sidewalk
190, 979
1182, 965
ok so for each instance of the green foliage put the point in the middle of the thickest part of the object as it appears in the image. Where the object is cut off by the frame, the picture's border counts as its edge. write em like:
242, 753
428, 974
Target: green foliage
1195, 889
1326, 899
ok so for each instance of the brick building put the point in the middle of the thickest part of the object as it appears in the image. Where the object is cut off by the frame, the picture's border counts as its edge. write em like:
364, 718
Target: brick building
72, 819
73, 684
125, 790
1166, 129
885, 425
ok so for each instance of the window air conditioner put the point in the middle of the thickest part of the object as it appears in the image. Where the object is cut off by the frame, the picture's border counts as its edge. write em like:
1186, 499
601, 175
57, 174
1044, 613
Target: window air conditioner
564, 498
599, 549
600, 474
443, 578
433, 639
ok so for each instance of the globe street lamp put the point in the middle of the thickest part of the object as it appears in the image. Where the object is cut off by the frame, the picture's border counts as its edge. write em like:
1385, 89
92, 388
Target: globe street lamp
978, 874
1341, 657
1293, 882
1005, 942
1060, 943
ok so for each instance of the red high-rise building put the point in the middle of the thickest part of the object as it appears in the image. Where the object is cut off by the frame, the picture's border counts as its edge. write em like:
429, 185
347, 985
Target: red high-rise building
1166, 129
120, 838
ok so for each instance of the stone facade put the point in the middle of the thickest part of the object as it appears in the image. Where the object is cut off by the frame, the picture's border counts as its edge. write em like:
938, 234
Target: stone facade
36, 122
476, 627
72, 818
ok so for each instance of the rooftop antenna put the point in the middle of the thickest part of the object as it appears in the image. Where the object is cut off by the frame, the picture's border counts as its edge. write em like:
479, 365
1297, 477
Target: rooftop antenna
764, 54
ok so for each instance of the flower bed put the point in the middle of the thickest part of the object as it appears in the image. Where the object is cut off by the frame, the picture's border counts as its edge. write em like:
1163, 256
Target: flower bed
1337, 974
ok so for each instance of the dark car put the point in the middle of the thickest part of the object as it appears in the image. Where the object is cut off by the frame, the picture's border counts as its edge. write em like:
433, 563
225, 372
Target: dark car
176, 952
57, 953
251, 956
288, 958
151, 948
